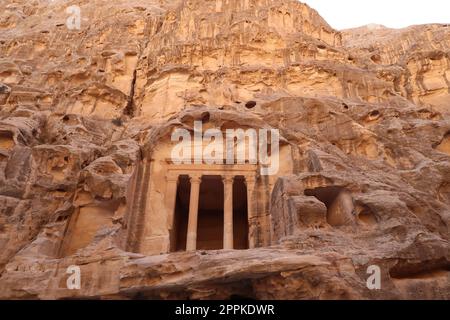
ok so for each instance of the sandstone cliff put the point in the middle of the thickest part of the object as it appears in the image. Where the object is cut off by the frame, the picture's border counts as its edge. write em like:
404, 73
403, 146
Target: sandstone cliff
366, 113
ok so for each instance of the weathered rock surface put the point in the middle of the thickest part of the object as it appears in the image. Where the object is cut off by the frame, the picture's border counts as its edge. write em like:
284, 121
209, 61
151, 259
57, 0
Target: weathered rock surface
366, 112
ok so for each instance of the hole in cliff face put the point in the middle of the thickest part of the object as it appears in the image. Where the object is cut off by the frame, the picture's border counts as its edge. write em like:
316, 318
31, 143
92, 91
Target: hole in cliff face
338, 201
118, 122
321, 47
365, 216
327, 195
62, 218
373, 115
376, 58
444, 146
71, 120
4, 89
6, 140
250, 104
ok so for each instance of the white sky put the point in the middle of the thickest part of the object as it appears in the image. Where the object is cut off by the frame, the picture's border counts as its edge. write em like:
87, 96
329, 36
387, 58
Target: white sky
342, 14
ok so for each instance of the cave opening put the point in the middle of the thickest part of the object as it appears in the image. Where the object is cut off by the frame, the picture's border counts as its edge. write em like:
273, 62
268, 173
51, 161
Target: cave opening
6, 140
339, 203
327, 195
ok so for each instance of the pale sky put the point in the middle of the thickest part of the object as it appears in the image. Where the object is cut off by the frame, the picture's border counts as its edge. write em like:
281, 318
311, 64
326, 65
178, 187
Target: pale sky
342, 14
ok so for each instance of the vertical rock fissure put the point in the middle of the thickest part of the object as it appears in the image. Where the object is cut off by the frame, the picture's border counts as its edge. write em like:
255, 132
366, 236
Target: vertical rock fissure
129, 110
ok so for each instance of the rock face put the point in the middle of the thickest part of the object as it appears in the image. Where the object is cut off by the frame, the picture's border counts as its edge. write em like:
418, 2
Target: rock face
85, 121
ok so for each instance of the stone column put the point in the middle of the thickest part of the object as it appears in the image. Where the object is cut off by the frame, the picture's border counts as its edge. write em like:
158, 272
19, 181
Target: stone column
170, 203
228, 213
250, 182
191, 241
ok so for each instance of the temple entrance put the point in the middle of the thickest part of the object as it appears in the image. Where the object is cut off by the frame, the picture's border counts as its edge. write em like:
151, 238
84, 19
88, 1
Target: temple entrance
210, 214
210, 218
240, 214
178, 238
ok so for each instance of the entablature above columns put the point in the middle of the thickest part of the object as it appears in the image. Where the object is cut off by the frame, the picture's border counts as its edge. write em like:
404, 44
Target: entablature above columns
249, 171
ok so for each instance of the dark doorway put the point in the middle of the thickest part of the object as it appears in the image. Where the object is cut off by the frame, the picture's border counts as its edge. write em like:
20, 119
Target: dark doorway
240, 216
179, 234
210, 214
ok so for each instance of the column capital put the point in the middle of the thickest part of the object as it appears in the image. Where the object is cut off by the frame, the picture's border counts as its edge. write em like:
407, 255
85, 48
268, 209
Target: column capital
250, 180
172, 177
227, 179
191, 239
195, 178
228, 211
